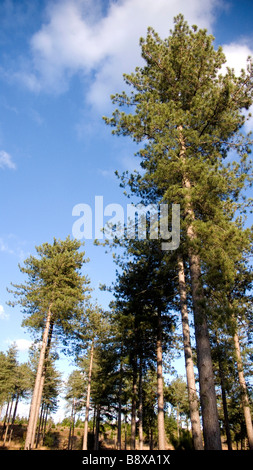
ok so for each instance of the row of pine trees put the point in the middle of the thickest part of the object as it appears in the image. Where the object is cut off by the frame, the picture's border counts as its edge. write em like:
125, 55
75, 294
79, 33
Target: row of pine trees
188, 118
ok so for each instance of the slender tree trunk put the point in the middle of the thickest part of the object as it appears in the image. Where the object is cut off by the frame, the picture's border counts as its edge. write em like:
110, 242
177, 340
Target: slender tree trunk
244, 392
8, 421
37, 392
96, 443
44, 424
42, 380
211, 429
94, 423
160, 399
133, 411
71, 426
119, 410
189, 366
151, 440
5, 419
126, 430
178, 430
225, 408
14, 417
37, 439
85, 433
140, 410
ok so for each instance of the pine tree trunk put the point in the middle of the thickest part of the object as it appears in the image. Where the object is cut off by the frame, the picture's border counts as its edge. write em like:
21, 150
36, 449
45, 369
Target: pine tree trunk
42, 380
37, 440
189, 366
151, 441
140, 410
8, 421
14, 417
96, 442
225, 408
211, 429
5, 418
160, 400
71, 426
44, 426
133, 411
119, 410
37, 392
244, 392
85, 433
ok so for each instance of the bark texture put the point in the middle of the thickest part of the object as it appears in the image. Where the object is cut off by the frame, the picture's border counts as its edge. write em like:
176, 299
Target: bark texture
189, 366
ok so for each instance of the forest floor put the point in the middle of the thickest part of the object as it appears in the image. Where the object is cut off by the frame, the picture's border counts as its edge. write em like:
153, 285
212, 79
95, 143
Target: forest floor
57, 438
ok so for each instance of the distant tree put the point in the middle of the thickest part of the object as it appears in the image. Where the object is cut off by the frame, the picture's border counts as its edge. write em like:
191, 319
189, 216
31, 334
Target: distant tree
52, 298
74, 396
15, 384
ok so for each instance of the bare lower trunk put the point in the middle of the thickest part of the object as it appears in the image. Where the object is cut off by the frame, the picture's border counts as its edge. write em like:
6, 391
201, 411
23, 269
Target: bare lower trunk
211, 429
119, 410
96, 443
37, 392
85, 434
40, 424
160, 400
244, 392
42, 381
133, 411
189, 366
8, 421
225, 408
140, 410
13, 417
5, 419
71, 427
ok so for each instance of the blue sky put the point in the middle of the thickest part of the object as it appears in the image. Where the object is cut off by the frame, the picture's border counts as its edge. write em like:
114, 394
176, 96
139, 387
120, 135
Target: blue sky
60, 61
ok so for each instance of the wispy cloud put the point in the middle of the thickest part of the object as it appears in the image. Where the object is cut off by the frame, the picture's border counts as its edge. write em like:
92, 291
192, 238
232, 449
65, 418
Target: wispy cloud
80, 37
22, 343
6, 160
3, 314
4, 247
12, 245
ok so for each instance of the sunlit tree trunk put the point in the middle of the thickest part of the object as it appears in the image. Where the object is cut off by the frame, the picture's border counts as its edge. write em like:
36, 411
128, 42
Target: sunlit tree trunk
140, 410
119, 410
160, 399
85, 433
37, 392
244, 392
189, 366
133, 411
211, 429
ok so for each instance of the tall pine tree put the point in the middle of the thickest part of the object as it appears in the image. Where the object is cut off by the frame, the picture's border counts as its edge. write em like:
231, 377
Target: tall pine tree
189, 116
52, 298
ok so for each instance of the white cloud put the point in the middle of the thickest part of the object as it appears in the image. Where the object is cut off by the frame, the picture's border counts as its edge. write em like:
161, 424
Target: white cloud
78, 38
5, 248
6, 160
236, 55
13, 245
3, 315
22, 344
